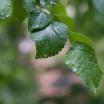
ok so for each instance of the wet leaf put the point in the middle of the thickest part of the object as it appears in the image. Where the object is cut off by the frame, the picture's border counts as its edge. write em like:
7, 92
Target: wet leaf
5, 9
45, 26
38, 20
81, 58
50, 40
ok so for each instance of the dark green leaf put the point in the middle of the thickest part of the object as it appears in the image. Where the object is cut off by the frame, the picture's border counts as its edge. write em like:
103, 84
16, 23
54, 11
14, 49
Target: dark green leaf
81, 58
5, 9
45, 31
50, 40
38, 20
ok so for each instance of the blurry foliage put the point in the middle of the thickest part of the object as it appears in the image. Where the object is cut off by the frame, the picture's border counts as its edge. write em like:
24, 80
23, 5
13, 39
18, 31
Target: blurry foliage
16, 83
89, 16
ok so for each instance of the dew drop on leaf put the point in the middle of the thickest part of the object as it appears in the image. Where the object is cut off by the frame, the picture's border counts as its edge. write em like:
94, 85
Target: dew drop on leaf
5, 9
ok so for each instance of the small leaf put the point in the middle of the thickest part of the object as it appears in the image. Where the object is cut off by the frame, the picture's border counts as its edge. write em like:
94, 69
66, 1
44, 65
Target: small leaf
59, 13
38, 20
5, 9
50, 40
81, 58
75, 37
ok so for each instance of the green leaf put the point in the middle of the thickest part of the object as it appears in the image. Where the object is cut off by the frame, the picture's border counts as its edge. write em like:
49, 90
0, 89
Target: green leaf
81, 58
50, 40
75, 37
45, 29
38, 20
5, 9
59, 13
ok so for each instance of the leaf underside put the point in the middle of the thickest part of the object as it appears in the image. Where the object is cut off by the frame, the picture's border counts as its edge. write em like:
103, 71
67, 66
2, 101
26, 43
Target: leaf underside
81, 58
